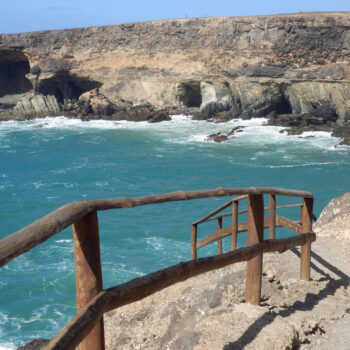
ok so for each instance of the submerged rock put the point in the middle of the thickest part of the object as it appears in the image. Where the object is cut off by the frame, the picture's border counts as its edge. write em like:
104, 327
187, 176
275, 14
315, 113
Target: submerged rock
220, 137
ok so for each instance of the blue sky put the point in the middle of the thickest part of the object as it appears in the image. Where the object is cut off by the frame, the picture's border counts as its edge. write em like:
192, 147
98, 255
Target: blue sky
31, 15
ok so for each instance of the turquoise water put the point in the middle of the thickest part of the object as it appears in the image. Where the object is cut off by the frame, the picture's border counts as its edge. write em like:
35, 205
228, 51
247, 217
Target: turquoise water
48, 162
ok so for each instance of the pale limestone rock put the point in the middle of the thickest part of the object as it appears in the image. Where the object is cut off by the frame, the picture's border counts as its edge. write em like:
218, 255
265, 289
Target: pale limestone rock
37, 106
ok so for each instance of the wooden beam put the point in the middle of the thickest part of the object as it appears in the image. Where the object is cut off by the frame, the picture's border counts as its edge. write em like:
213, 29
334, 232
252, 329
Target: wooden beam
234, 225
255, 235
291, 225
220, 239
194, 242
272, 216
222, 207
227, 231
88, 273
76, 329
41, 230
246, 211
306, 223
240, 198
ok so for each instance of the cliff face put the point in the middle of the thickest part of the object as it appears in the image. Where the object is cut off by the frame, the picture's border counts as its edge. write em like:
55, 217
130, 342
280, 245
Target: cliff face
226, 67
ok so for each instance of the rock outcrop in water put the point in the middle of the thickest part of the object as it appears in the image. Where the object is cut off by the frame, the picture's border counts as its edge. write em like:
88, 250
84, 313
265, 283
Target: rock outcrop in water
213, 68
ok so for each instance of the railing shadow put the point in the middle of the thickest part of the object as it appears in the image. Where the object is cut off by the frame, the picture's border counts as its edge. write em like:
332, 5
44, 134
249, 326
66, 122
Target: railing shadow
310, 302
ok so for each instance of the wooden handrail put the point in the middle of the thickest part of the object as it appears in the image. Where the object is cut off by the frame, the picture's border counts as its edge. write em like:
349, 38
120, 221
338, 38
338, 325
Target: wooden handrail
242, 227
77, 329
246, 211
53, 223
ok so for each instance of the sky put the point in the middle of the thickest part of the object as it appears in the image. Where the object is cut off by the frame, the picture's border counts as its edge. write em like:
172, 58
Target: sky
32, 15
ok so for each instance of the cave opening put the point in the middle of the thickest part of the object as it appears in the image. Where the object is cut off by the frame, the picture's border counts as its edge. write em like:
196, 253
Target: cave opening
66, 87
14, 66
189, 93
283, 106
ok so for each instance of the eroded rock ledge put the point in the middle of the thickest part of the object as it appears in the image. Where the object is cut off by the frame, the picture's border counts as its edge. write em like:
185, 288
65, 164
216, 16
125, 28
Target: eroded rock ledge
213, 68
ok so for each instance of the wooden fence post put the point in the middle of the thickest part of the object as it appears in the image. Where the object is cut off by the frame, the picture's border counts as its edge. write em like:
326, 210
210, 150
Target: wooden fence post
88, 273
220, 239
255, 235
234, 225
306, 223
272, 216
194, 242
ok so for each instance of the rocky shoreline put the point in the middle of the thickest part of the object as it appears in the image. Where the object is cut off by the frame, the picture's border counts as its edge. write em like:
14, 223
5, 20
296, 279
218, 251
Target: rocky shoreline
293, 69
93, 105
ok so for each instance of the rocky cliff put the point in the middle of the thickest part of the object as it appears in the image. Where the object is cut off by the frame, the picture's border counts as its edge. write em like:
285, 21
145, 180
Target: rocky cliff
219, 68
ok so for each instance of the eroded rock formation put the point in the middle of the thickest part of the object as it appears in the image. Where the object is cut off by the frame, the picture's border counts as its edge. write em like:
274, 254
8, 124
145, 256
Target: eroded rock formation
214, 68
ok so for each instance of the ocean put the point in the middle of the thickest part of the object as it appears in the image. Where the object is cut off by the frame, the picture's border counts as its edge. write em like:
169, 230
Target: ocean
45, 163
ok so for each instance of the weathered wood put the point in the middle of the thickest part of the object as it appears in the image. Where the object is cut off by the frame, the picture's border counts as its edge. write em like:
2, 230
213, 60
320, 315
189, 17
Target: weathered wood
107, 204
240, 198
222, 207
227, 231
255, 235
76, 329
246, 211
291, 225
306, 223
194, 242
41, 230
272, 216
220, 239
88, 273
44, 228
234, 225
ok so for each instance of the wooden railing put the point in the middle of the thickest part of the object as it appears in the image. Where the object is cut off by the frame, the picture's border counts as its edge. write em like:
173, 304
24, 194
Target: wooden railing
86, 328
255, 227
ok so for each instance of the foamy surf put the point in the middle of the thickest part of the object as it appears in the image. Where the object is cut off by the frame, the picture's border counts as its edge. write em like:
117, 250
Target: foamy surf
183, 129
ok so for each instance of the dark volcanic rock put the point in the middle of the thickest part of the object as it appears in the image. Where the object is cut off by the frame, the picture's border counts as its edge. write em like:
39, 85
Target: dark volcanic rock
140, 113
36, 344
342, 131
325, 111
264, 71
219, 137
299, 123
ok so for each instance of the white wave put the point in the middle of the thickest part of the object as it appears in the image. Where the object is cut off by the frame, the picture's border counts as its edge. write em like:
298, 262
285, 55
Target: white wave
300, 165
184, 130
64, 241
7, 346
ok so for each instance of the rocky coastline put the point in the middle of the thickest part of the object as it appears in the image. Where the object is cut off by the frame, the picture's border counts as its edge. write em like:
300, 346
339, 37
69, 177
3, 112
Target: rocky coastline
293, 69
